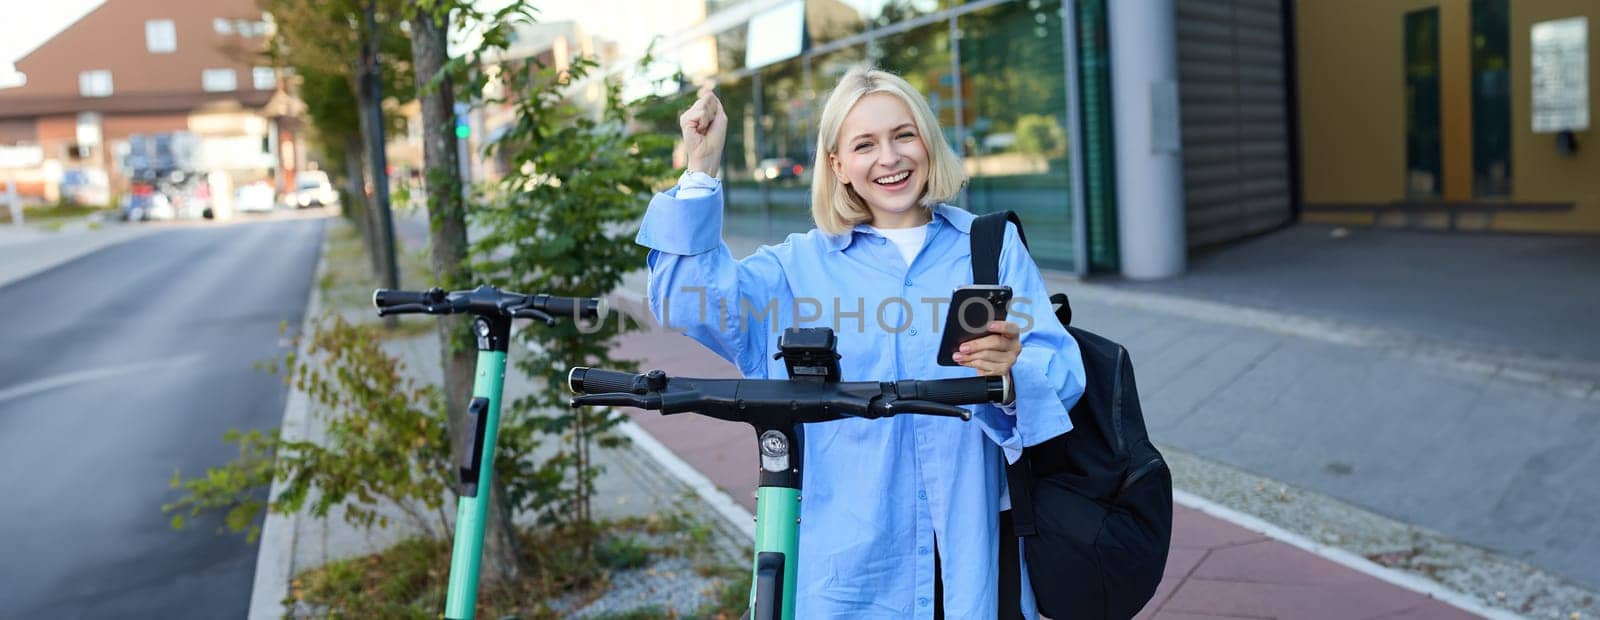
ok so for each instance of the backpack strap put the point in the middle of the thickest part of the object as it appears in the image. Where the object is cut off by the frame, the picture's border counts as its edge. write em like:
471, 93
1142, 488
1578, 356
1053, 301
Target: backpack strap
988, 237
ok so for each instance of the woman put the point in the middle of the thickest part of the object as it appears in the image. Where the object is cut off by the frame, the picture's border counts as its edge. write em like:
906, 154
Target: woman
887, 503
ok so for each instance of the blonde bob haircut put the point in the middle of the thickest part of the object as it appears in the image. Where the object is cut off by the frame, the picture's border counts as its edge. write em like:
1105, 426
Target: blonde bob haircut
835, 206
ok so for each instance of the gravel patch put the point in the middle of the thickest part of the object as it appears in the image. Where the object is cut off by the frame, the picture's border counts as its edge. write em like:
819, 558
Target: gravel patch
669, 588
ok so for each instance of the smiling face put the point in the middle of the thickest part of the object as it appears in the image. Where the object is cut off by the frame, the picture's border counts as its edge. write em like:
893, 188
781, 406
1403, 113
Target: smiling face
882, 157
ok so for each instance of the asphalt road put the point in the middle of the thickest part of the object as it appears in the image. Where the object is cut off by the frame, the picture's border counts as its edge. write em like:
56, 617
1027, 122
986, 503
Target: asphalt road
118, 368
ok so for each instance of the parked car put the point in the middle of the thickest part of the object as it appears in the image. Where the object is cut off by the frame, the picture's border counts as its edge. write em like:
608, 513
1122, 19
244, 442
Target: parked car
312, 189
777, 168
257, 196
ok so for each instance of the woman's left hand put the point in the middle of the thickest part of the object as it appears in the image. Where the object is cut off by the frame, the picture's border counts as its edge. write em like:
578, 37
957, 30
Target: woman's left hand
993, 354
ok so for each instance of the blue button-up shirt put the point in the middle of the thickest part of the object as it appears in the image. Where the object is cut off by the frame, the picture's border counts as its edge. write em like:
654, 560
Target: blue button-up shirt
878, 494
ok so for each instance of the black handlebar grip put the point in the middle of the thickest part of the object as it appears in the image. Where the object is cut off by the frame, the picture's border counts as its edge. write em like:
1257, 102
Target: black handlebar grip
967, 391
563, 307
384, 298
597, 381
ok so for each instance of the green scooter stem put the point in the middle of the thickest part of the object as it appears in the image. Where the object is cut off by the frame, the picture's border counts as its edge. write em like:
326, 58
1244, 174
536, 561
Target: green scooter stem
777, 531
472, 511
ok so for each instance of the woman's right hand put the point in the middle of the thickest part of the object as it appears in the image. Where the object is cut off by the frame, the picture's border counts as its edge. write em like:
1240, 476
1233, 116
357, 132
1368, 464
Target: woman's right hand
705, 130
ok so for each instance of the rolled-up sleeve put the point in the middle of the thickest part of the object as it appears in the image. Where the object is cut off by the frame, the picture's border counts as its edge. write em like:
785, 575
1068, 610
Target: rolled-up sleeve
1048, 376
686, 226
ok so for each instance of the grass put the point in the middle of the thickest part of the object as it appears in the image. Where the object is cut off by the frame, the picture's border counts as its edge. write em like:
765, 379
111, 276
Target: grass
52, 214
348, 279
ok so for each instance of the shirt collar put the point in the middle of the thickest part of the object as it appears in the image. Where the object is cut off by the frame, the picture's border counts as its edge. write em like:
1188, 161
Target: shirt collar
943, 215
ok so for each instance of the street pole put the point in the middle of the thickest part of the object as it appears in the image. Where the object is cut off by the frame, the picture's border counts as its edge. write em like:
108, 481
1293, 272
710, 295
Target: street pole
372, 78
11, 199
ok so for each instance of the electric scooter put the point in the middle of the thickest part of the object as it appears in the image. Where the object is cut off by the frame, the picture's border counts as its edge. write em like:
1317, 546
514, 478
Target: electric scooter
492, 311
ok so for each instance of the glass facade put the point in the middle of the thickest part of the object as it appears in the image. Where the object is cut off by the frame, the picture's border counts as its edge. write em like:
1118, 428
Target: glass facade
994, 73
1016, 144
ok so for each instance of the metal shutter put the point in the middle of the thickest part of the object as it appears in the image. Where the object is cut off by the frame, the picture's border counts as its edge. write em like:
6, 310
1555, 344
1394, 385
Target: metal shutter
1231, 82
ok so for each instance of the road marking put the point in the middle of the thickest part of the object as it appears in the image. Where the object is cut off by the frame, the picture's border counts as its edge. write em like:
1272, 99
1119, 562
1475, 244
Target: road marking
83, 376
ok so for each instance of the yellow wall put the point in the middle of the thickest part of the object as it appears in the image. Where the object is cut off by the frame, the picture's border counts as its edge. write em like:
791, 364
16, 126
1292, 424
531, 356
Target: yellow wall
1352, 116
1538, 173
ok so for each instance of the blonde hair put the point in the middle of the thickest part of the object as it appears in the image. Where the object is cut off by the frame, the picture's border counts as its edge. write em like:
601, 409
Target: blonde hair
835, 206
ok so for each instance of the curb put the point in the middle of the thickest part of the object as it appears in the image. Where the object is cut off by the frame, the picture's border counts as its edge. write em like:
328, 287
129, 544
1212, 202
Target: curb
275, 552
742, 520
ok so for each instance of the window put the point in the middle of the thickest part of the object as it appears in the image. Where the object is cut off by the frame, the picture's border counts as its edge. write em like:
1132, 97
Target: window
1491, 98
88, 130
241, 27
160, 36
218, 80
836, 20
1422, 104
264, 78
1014, 115
785, 149
95, 83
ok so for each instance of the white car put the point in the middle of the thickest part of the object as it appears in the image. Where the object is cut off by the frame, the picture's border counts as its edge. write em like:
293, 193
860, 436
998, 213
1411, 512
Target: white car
256, 197
312, 189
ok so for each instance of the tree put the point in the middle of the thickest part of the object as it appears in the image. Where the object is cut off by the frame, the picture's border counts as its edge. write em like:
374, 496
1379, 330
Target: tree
1040, 134
562, 222
322, 41
447, 239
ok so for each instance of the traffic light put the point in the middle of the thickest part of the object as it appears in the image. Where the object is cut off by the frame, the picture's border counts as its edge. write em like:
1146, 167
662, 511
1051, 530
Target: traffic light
463, 128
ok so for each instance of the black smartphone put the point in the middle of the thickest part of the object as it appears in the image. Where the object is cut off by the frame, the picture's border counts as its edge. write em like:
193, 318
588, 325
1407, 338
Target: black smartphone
972, 308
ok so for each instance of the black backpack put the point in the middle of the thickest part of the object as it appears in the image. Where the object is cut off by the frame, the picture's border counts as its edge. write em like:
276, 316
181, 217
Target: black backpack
1093, 506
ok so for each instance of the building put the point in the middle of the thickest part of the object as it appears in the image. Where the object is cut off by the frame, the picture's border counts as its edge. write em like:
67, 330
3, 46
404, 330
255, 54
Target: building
1128, 133
150, 67
1473, 114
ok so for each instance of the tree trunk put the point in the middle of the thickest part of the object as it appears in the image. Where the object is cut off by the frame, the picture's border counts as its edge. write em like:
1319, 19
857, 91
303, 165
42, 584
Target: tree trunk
447, 246
373, 226
360, 209
369, 96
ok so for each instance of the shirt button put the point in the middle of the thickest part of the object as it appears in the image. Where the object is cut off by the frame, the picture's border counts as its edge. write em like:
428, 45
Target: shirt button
922, 550
923, 601
922, 495
913, 331
908, 281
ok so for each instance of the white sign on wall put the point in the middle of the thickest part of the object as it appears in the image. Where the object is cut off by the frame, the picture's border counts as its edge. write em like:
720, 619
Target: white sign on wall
1560, 55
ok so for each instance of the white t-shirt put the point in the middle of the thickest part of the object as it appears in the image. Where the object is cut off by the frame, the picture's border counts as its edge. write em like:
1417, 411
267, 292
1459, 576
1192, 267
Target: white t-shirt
907, 240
